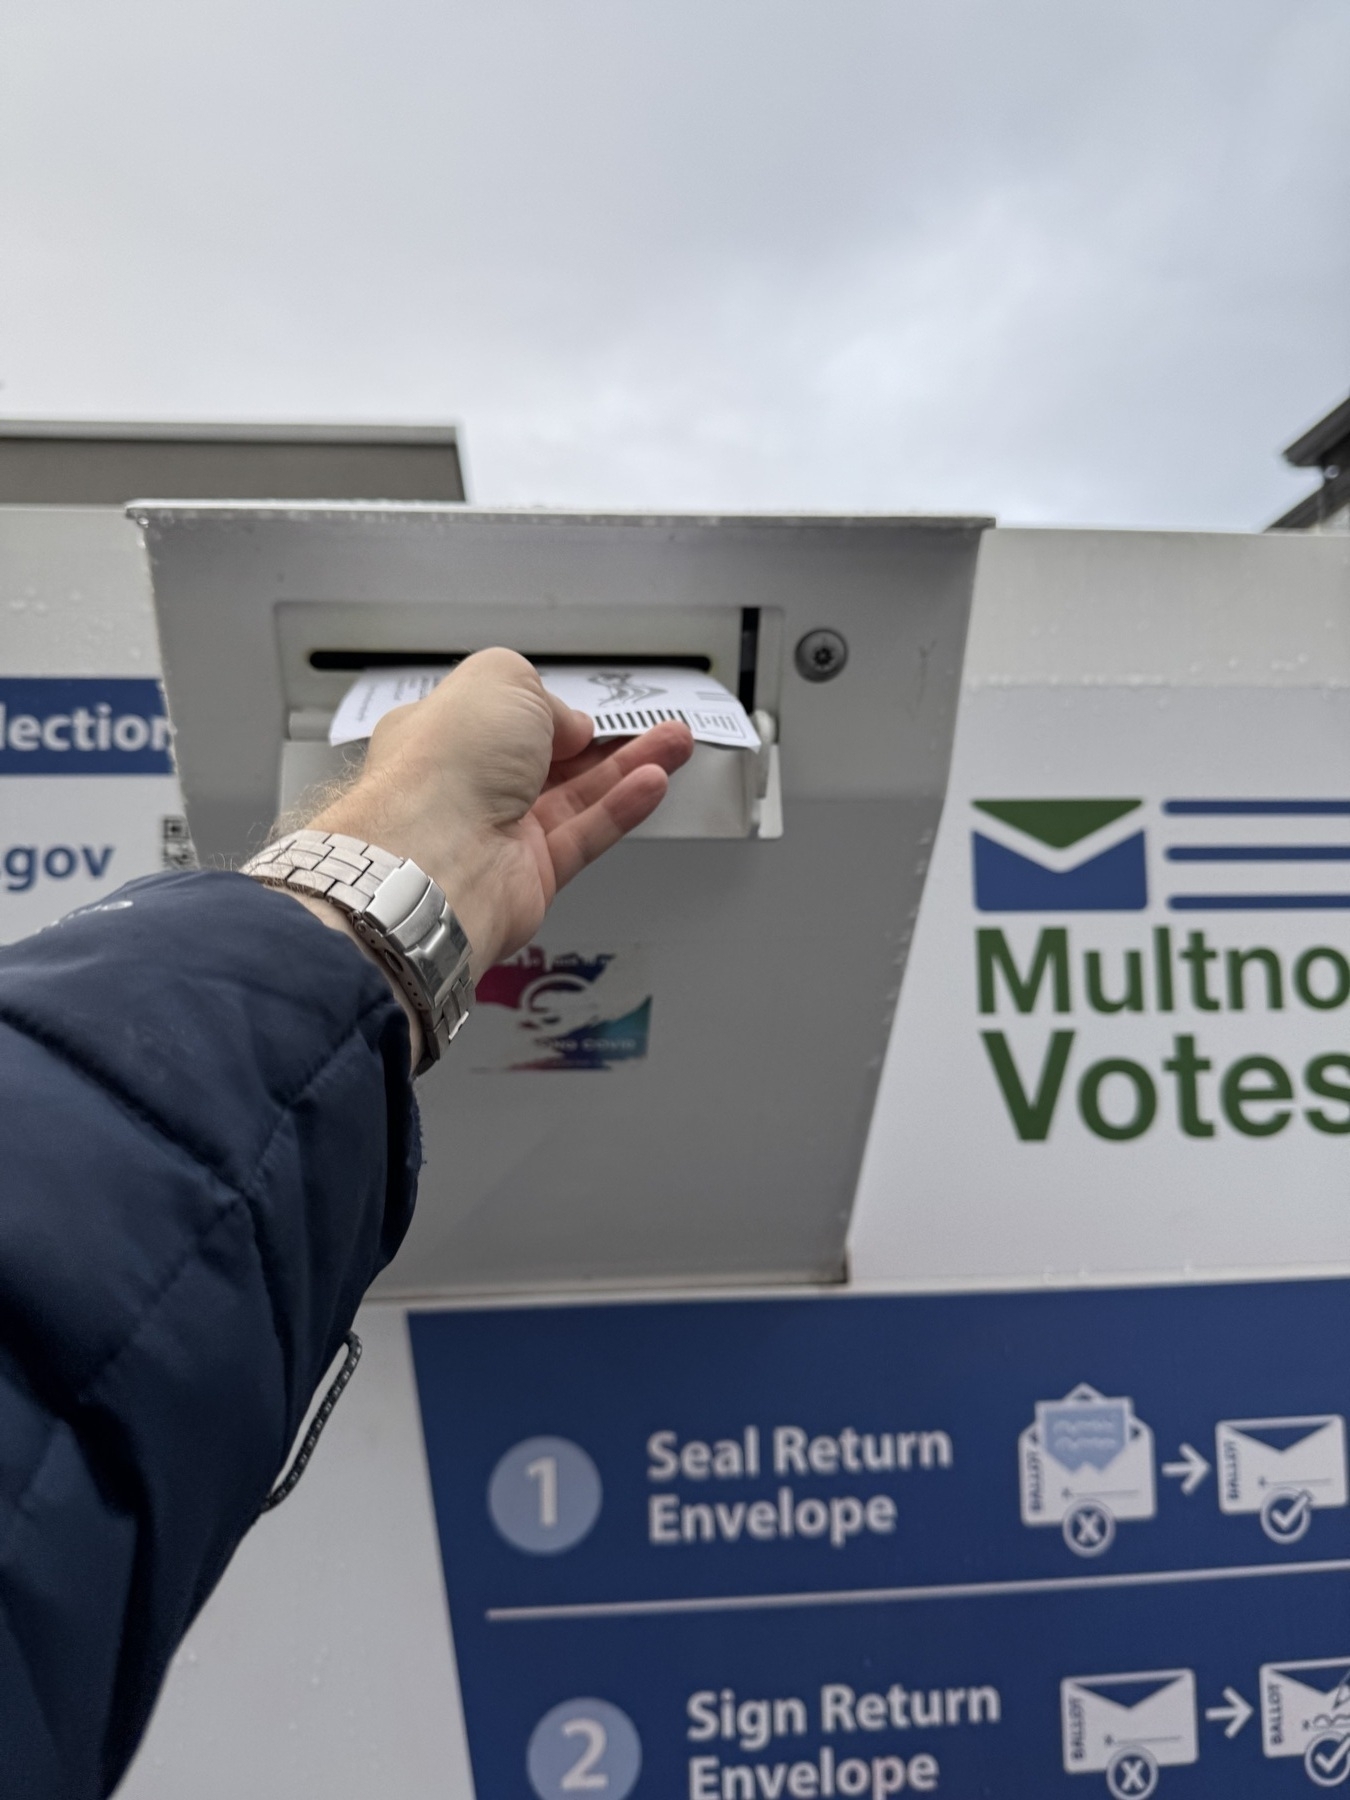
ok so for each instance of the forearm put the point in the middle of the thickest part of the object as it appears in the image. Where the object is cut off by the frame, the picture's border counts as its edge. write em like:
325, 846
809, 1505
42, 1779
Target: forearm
209, 1148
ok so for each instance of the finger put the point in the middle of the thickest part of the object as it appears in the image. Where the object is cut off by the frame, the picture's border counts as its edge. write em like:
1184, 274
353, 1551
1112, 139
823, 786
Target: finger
572, 730
670, 744
563, 772
579, 839
601, 769
597, 751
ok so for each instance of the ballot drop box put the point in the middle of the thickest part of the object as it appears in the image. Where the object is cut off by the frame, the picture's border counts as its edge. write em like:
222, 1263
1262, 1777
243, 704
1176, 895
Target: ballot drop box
674, 1082
813, 1396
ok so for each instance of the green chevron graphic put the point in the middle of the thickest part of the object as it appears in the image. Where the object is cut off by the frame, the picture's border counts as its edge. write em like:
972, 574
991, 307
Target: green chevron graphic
1058, 823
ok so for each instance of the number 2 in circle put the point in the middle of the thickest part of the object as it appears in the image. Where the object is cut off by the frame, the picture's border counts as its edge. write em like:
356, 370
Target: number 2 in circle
585, 1746
583, 1776
544, 1470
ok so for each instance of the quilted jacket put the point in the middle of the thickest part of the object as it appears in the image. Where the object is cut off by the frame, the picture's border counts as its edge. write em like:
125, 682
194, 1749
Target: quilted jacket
208, 1148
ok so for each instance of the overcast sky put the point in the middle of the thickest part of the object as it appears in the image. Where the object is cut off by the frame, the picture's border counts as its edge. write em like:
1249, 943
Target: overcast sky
1058, 260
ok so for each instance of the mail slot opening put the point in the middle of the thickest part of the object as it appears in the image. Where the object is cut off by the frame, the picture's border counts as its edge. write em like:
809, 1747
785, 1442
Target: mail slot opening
731, 646
357, 660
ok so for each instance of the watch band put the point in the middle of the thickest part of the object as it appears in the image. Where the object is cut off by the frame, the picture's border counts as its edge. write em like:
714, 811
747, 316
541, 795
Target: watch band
395, 908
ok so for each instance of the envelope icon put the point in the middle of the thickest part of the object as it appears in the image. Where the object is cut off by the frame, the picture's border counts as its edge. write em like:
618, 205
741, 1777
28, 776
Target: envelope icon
1303, 1701
1059, 856
1086, 1447
1101, 1715
1260, 1457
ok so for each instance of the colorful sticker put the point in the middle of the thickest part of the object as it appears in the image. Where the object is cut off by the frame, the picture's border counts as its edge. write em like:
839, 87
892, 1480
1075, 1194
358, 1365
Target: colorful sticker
547, 1010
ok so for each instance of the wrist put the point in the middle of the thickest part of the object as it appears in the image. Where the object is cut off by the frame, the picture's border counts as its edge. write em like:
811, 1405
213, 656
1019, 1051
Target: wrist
396, 910
336, 920
457, 861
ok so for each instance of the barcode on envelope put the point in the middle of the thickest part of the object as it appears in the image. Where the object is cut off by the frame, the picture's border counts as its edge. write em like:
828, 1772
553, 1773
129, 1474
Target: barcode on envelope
641, 718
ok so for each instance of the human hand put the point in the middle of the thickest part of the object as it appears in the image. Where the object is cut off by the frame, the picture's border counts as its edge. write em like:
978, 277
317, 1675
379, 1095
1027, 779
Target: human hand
494, 788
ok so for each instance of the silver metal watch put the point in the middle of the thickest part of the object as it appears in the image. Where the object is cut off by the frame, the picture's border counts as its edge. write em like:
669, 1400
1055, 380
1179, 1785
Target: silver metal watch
395, 908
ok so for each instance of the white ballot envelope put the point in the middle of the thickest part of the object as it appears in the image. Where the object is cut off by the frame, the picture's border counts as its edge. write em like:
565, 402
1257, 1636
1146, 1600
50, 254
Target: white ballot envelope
624, 702
1105, 1715
1303, 1701
1258, 1457
1086, 1447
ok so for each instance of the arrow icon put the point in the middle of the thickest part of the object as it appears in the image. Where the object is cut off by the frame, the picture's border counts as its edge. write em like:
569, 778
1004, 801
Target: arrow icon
1191, 1470
1237, 1712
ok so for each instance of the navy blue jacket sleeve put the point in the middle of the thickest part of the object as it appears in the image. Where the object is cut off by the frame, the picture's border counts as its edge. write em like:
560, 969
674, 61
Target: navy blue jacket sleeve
208, 1147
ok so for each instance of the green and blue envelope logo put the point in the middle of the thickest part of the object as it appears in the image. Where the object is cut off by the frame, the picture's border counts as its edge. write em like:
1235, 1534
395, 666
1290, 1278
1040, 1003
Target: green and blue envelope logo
1050, 856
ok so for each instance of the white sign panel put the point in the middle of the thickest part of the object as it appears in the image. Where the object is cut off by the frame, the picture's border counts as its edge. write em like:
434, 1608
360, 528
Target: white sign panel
88, 797
1124, 1039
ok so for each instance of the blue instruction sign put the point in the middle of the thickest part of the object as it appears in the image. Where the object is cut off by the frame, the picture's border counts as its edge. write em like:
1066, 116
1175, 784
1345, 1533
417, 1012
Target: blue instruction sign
1007, 1545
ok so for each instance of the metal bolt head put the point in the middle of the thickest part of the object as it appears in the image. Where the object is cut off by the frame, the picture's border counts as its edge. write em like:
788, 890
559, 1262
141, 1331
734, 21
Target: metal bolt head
821, 655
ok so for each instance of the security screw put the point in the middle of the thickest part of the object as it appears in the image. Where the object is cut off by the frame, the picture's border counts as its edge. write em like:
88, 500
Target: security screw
821, 655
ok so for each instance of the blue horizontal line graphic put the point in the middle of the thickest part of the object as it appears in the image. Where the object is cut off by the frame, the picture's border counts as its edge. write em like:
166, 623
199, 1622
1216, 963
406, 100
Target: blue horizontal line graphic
1224, 853
1259, 902
1217, 809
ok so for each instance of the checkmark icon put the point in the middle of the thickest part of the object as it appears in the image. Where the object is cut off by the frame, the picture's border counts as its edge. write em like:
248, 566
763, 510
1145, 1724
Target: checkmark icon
1333, 1757
1328, 1761
1288, 1516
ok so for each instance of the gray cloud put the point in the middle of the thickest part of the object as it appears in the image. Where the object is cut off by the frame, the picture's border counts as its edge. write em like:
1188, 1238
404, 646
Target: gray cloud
1057, 259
